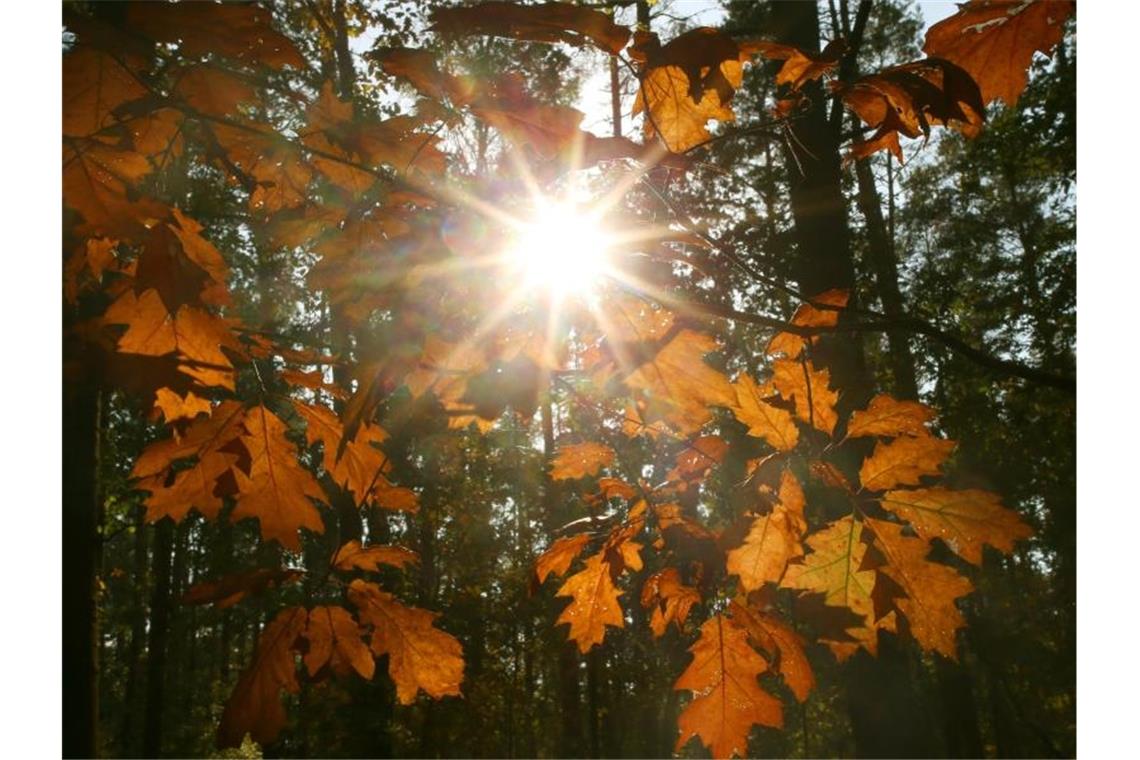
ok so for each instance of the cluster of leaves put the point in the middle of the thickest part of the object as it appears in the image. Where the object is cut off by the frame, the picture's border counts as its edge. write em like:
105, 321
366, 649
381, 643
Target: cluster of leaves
369, 197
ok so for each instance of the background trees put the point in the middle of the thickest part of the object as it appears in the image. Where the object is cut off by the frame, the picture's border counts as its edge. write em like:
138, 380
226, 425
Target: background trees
326, 192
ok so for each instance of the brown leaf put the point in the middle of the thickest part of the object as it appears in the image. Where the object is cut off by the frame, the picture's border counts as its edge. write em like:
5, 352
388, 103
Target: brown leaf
773, 424
785, 648
727, 699
353, 556
811, 314
682, 383
360, 465
994, 41
580, 460
594, 603
799, 67
234, 30
963, 519
815, 401
773, 540
545, 22
887, 416
931, 588
200, 437
277, 489
255, 706
559, 556
903, 461
670, 599
94, 85
420, 656
96, 178
193, 488
175, 407
334, 639
231, 589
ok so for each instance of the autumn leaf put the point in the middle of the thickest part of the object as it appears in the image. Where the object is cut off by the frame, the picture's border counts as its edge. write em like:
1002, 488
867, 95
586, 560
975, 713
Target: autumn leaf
810, 389
594, 603
94, 85
175, 407
580, 460
773, 424
334, 639
96, 178
360, 466
903, 461
277, 489
887, 416
670, 599
800, 67
231, 589
784, 647
354, 556
193, 488
559, 556
809, 314
995, 40
931, 588
963, 519
420, 656
202, 436
727, 699
680, 380
545, 22
255, 706
773, 539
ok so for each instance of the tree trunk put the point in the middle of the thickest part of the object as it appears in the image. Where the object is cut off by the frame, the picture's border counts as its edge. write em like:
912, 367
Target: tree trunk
156, 643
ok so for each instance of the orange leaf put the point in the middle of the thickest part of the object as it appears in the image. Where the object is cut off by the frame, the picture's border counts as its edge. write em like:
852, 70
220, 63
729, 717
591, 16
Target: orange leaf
815, 402
888, 416
963, 519
994, 40
594, 603
559, 556
200, 437
192, 488
931, 588
580, 460
277, 490
420, 656
354, 556
679, 379
94, 85
334, 639
231, 589
773, 540
670, 599
773, 424
784, 646
360, 466
255, 706
808, 315
903, 461
247, 35
727, 699
95, 182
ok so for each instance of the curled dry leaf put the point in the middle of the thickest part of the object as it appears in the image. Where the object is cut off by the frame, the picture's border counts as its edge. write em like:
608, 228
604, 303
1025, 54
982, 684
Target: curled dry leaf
670, 599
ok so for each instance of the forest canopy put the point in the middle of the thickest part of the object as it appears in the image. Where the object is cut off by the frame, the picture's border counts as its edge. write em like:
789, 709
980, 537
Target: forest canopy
569, 379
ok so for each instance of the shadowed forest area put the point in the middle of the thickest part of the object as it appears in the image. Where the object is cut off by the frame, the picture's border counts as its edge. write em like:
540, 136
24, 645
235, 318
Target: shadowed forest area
601, 379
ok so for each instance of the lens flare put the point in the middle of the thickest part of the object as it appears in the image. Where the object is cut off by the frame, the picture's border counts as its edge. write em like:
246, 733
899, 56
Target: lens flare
559, 250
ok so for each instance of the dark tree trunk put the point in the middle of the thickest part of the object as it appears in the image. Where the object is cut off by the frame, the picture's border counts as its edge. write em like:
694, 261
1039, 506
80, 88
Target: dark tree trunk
156, 643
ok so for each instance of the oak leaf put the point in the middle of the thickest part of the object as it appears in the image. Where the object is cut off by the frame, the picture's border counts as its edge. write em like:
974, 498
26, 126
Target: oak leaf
255, 706
175, 407
235, 30
784, 647
809, 314
810, 389
594, 603
887, 416
682, 383
559, 556
580, 460
357, 465
354, 556
994, 40
903, 461
335, 639
727, 699
201, 436
96, 179
94, 85
670, 599
773, 424
193, 488
931, 588
773, 539
420, 656
965, 520
277, 490
231, 589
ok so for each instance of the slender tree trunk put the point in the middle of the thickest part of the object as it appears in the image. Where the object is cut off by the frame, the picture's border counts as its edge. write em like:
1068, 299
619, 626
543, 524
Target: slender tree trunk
156, 644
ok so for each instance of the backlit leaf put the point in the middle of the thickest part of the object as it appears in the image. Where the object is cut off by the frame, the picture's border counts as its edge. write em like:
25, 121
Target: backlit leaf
903, 461
594, 603
963, 519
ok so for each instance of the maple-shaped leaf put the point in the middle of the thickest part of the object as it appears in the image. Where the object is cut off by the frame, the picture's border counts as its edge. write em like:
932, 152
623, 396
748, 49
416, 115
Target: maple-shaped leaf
545, 22
810, 389
231, 589
687, 82
96, 178
696, 460
811, 314
94, 85
727, 699
200, 437
559, 556
335, 639
354, 556
420, 69
670, 599
359, 465
235, 30
773, 424
213, 91
965, 520
887, 416
420, 656
175, 407
275, 166
773, 539
255, 706
903, 461
994, 40
594, 603
785, 647
834, 568
195, 487
277, 490
580, 460
680, 381
931, 588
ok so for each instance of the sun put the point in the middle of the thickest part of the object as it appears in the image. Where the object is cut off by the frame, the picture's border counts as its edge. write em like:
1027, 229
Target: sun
561, 250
